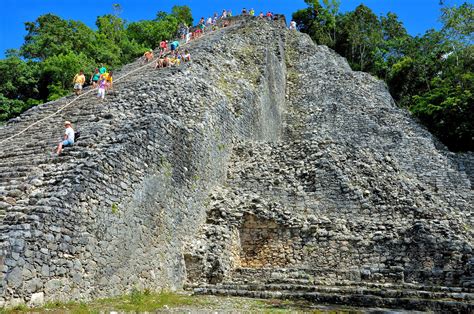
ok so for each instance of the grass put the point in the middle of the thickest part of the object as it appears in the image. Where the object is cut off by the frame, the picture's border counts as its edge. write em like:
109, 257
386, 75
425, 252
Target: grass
138, 301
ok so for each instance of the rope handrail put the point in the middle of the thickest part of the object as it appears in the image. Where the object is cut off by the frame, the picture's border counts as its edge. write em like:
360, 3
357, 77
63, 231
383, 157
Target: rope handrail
65, 106
88, 92
72, 101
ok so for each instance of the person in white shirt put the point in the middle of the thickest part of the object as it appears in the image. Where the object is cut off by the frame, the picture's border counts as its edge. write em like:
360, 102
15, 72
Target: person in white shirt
293, 25
68, 139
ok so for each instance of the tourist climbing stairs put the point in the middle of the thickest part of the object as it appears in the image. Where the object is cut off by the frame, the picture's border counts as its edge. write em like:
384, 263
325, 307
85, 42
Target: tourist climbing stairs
28, 166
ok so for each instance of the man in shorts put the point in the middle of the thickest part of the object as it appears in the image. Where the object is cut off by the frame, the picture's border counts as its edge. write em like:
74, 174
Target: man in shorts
79, 81
68, 139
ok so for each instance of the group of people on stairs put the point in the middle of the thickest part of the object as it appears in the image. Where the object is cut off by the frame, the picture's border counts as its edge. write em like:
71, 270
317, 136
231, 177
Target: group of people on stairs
169, 55
100, 79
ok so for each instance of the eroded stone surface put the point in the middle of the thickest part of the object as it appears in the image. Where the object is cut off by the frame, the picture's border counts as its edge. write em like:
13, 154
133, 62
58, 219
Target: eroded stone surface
354, 193
266, 164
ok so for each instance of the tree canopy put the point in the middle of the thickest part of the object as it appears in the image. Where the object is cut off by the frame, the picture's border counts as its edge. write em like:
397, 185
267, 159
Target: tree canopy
56, 49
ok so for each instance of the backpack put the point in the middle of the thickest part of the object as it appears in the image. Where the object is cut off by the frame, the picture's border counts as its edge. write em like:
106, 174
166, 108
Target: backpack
77, 134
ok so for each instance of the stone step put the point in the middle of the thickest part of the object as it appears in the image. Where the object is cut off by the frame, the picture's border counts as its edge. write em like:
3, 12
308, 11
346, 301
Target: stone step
321, 276
352, 289
19, 154
14, 174
34, 163
346, 298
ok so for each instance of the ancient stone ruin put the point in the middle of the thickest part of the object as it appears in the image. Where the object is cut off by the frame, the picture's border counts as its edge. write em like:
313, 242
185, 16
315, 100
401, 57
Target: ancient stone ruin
264, 168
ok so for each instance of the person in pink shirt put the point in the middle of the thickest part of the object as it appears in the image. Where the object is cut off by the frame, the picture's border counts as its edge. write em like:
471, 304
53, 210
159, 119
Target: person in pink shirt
163, 47
102, 87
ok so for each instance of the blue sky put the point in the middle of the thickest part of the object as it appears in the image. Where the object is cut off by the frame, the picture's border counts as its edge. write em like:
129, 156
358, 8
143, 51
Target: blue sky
417, 15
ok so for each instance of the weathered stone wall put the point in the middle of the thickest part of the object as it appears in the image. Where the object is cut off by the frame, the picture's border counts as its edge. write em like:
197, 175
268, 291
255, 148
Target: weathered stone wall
356, 191
266, 154
113, 212
465, 163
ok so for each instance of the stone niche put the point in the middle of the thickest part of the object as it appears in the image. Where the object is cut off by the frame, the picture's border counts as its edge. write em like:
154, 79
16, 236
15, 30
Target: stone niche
265, 243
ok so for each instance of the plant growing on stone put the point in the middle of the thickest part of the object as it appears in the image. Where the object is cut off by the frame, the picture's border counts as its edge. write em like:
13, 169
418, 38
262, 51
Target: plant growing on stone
115, 208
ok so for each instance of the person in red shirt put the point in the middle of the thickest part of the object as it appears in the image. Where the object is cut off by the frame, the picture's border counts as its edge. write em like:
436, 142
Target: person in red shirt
163, 47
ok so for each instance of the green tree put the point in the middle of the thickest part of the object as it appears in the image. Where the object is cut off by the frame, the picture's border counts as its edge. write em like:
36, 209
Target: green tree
113, 46
390, 49
183, 14
319, 21
10, 108
420, 62
458, 22
364, 35
329, 14
19, 78
59, 71
111, 26
448, 110
50, 35
47, 36
150, 33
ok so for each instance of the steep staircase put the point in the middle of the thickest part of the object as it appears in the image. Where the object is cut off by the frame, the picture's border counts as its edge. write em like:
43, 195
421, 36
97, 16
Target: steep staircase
345, 201
27, 161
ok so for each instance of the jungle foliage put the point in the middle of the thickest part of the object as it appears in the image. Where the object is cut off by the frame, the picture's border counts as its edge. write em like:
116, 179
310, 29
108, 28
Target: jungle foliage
430, 74
55, 50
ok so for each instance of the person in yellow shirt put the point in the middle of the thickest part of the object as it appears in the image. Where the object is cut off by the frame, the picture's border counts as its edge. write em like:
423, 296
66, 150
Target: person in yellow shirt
108, 79
148, 56
79, 80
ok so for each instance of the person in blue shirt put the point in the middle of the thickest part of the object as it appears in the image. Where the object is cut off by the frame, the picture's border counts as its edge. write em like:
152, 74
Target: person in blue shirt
174, 45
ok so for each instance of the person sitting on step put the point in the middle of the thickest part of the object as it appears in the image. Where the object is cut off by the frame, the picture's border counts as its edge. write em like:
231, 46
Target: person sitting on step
175, 59
186, 57
162, 62
68, 139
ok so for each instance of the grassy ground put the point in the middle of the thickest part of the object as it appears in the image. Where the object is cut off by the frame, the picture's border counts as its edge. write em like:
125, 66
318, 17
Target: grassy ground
146, 301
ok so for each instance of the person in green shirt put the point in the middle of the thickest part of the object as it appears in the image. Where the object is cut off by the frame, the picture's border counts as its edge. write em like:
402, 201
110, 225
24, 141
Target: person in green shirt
95, 78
